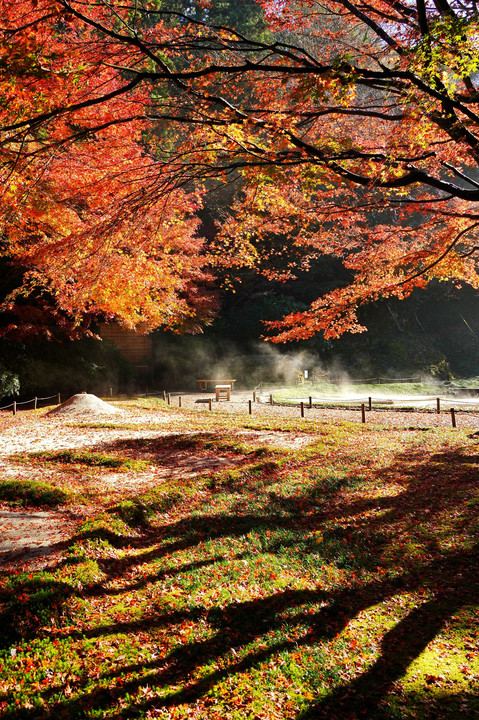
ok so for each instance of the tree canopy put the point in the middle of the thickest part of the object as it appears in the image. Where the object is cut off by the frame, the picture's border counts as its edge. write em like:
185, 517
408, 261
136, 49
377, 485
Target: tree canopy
349, 128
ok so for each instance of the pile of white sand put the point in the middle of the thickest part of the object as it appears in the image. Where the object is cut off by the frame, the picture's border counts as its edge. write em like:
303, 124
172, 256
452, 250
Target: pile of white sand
84, 403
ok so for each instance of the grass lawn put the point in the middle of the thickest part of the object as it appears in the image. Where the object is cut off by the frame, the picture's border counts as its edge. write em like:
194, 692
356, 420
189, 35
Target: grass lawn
337, 577
392, 390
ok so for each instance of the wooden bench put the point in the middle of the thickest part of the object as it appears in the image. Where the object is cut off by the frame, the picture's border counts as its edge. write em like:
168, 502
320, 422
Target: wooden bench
203, 384
222, 392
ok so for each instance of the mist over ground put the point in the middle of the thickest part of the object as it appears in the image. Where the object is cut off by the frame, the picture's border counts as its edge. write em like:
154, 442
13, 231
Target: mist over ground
432, 335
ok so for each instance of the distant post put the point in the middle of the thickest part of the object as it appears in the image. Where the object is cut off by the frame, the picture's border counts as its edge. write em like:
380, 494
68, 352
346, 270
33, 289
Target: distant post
168, 399
35, 403
438, 405
302, 409
209, 403
310, 401
14, 407
453, 417
179, 400
59, 399
363, 413
370, 403
271, 399
249, 407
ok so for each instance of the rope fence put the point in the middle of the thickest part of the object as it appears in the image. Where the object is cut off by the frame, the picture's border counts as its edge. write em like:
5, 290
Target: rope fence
383, 405
260, 397
16, 405
379, 380
337, 379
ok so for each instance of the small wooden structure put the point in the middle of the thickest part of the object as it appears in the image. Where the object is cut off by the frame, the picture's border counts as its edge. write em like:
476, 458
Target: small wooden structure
135, 346
222, 392
203, 384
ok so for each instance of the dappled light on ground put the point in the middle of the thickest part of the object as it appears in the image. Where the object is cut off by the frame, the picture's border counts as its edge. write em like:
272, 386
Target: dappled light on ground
335, 576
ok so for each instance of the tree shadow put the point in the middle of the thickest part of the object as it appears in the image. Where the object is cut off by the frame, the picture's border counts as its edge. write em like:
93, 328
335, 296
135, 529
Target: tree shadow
435, 502
29, 602
164, 446
29, 555
454, 583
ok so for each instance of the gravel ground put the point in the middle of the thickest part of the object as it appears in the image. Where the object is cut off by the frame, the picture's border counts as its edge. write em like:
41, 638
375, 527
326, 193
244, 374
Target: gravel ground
35, 538
382, 415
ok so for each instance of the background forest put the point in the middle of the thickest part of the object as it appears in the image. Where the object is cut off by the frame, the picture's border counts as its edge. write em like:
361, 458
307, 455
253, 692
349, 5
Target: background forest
434, 331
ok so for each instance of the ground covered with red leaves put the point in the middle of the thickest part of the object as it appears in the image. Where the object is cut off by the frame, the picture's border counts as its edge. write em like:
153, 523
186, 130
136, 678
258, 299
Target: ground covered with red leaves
193, 563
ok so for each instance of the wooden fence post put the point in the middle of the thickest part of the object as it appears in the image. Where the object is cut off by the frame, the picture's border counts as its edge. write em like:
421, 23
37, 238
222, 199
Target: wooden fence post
310, 401
59, 399
249, 407
271, 399
370, 403
363, 413
438, 406
35, 403
14, 407
168, 399
302, 409
179, 400
164, 395
254, 396
209, 403
453, 417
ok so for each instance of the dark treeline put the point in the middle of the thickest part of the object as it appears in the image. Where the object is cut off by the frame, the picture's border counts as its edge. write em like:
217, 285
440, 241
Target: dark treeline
435, 333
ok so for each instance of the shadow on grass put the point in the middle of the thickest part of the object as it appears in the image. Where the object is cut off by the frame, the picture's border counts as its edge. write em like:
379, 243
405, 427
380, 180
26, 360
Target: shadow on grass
196, 442
437, 502
29, 602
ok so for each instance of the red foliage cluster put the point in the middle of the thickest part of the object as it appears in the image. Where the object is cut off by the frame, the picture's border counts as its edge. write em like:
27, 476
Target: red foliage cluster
351, 129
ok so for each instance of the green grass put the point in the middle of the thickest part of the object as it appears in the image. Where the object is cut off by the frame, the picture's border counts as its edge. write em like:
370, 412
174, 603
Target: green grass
341, 391
336, 581
31, 493
117, 425
90, 459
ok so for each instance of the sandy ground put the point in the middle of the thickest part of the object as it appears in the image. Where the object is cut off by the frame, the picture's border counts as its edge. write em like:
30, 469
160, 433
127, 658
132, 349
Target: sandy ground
34, 539
37, 538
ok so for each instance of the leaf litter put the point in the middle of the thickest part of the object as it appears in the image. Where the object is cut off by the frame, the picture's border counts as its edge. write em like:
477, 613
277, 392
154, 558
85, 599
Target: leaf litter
334, 577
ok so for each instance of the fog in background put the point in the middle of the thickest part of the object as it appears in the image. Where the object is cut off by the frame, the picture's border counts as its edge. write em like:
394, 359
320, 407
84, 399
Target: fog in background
179, 362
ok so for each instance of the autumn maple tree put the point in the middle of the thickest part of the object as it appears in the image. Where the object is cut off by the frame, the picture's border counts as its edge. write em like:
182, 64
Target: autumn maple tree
348, 127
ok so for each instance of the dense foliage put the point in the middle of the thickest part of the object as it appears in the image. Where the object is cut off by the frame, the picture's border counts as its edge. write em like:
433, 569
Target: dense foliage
349, 130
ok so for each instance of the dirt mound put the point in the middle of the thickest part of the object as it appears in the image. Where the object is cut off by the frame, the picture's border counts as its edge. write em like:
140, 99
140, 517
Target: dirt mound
84, 403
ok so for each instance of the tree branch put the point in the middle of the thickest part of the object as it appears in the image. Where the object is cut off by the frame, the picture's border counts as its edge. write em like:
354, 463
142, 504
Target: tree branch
441, 257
